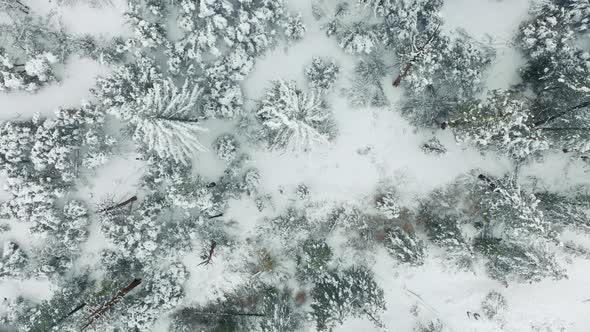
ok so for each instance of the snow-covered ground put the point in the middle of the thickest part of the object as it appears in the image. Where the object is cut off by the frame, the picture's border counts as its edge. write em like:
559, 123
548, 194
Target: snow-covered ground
340, 173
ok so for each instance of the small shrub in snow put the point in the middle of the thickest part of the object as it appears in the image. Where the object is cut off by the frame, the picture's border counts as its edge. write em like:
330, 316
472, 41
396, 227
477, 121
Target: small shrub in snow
432, 326
313, 261
403, 245
322, 74
302, 191
493, 305
434, 147
388, 205
226, 147
294, 28
251, 181
12, 261
40, 66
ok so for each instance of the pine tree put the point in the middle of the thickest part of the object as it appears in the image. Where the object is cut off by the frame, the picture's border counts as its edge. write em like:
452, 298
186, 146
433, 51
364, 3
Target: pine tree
294, 27
314, 259
294, 120
557, 72
520, 262
405, 246
225, 147
344, 294
503, 122
494, 305
366, 89
445, 232
512, 210
321, 73
566, 209
166, 121
13, 260
388, 204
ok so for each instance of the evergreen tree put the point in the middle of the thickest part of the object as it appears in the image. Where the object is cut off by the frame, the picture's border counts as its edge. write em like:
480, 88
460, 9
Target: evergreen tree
13, 260
165, 121
344, 294
494, 305
509, 209
366, 89
520, 262
321, 74
225, 147
405, 246
294, 120
503, 122
294, 27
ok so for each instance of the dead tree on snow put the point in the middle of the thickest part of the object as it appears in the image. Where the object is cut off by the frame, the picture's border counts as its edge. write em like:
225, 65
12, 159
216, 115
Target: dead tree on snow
209, 256
96, 314
120, 205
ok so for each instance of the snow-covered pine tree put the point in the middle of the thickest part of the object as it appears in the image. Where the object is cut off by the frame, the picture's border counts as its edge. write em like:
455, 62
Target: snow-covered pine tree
566, 210
225, 147
166, 120
294, 120
161, 291
294, 27
503, 122
12, 261
321, 73
445, 232
511, 210
280, 312
388, 204
437, 82
344, 294
55, 314
494, 305
313, 260
507, 261
403, 244
557, 71
366, 88
253, 307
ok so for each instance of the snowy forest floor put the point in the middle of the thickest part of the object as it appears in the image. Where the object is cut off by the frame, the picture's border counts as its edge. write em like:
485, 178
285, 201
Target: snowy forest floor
338, 172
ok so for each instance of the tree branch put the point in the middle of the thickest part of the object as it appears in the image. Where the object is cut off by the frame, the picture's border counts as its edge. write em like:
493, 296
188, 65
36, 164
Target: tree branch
110, 208
559, 115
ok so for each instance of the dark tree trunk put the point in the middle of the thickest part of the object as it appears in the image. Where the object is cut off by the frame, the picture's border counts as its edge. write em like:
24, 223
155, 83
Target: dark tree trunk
102, 309
209, 256
127, 202
408, 65
559, 115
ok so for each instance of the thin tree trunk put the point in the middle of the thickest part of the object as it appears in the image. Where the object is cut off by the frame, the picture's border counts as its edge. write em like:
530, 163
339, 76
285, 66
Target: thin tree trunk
563, 128
487, 180
230, 313
102, 309
559, 115
110, 208
209, 256
404, 72
78, 308
408, 65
